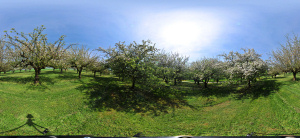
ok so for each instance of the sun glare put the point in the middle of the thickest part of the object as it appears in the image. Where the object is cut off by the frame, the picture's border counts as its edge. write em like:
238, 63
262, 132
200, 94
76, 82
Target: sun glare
180, 32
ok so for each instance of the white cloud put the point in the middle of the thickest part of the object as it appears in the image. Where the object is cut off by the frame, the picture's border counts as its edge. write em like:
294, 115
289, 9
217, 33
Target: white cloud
189, 32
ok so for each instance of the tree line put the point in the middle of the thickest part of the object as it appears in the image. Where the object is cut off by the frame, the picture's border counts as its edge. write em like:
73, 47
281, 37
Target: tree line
142, 63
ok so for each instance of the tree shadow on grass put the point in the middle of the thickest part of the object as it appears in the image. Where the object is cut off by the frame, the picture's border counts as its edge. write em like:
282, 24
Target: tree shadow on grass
72, 76
67, 76
42, 86
259, 89
217, 90
107, 93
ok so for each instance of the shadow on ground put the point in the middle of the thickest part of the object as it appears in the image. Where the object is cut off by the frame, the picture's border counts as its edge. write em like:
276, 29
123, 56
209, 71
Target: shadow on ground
213, 89
31, 124
43, 85
259, 89
107, 93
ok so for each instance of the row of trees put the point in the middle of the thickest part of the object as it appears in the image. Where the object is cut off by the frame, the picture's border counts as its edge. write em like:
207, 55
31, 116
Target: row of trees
34, 51
138, 62
141, 63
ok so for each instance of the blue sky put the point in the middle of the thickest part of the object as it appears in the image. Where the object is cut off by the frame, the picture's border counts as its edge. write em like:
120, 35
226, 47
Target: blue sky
195, 28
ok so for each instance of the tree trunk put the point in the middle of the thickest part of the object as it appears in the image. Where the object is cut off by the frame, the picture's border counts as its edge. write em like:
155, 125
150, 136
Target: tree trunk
217, 81
175, 82
249, 85
36, 78
294, 76
65, 70
39, 71
205, 83
20, 70
133, 83
275, 76
53, 69
61, 70
241, 79
100, 73
77, 70
198, 81
4, 72
79, 73
94, 74
13, 71
25, 70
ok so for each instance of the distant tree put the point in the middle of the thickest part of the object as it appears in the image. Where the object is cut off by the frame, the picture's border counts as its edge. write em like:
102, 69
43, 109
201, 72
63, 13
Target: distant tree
34, 48
287, 57
248, 65
164, 65
4, 63
205, 69
98, 66
178, 66
274, 71
219, 72
231, 69
134, 61
61, 62
171, 66
81, 58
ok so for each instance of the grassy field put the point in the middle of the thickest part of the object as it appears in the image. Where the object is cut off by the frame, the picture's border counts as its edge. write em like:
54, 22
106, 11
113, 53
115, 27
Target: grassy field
65, 105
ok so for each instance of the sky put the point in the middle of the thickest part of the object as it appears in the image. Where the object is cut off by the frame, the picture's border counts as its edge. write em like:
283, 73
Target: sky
194, 28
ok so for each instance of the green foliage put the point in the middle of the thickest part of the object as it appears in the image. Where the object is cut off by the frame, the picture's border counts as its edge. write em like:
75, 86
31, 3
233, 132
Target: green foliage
81, 58
33, 49
171, 66
99, 66
247, 66
206, 69
287, 57
133, 61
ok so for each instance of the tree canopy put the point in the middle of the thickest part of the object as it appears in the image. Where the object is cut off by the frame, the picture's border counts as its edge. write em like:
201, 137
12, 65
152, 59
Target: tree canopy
287, 57
34, 49
134, 61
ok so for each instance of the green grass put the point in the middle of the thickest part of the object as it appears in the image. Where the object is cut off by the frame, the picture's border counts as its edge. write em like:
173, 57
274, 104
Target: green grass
67, 106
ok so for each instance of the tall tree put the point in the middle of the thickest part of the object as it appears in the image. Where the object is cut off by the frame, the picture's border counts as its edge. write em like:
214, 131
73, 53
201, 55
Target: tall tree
134, 61
34, 48
287, 57
172, 66
205, 69
81, 58
248, 65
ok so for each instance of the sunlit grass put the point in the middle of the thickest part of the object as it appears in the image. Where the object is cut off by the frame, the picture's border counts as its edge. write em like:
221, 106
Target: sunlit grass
60, 104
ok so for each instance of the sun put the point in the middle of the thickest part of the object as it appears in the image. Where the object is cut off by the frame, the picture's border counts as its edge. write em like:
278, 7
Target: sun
180, 32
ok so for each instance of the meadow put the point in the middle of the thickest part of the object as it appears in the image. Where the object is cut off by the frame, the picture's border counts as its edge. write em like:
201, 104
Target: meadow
66, 105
